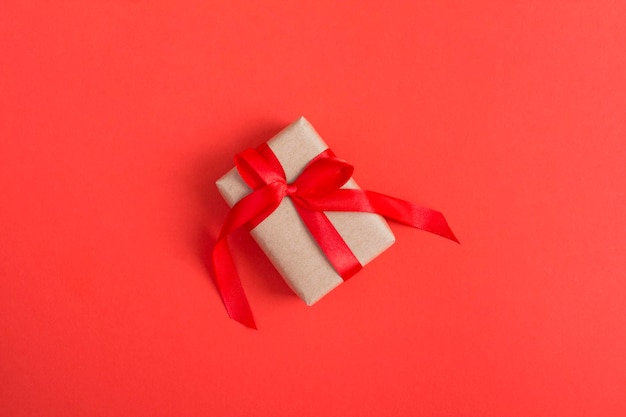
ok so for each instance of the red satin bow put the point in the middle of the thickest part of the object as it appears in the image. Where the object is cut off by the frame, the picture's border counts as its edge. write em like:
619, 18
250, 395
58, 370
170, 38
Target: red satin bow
316, 190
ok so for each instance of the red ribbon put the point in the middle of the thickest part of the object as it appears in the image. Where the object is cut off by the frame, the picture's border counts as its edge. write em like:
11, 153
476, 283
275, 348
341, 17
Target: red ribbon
316, 190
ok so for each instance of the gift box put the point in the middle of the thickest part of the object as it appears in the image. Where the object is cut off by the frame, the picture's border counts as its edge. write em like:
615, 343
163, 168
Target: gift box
284, 236
307, 213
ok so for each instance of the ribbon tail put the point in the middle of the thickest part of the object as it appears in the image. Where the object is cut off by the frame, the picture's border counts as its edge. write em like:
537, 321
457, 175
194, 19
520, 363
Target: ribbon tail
249, 211
411, 214
401, 211
229, 285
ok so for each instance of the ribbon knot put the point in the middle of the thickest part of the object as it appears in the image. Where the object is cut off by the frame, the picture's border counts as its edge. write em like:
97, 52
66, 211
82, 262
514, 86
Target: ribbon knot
317, 189
291, 189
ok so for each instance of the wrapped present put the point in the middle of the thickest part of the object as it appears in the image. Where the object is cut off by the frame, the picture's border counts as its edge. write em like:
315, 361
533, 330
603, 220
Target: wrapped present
309, 216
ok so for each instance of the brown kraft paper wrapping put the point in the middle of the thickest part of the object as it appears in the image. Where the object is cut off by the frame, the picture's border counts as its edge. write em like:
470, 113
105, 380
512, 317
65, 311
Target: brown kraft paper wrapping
283, 235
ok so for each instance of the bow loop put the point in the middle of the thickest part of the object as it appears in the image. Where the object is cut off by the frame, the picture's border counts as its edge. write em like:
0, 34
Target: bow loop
256, 171
322, 177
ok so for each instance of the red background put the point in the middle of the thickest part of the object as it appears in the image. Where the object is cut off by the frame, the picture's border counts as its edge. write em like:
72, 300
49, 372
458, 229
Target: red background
116, 118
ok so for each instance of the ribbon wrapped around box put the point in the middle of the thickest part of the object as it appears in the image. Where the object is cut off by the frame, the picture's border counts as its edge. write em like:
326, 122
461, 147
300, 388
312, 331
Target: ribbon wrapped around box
309, 216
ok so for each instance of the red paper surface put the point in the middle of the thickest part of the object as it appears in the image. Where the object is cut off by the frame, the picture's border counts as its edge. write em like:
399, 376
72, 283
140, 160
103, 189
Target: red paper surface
117, 117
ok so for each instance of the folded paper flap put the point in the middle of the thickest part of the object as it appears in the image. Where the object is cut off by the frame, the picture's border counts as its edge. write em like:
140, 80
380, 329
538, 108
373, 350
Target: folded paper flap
283, 235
